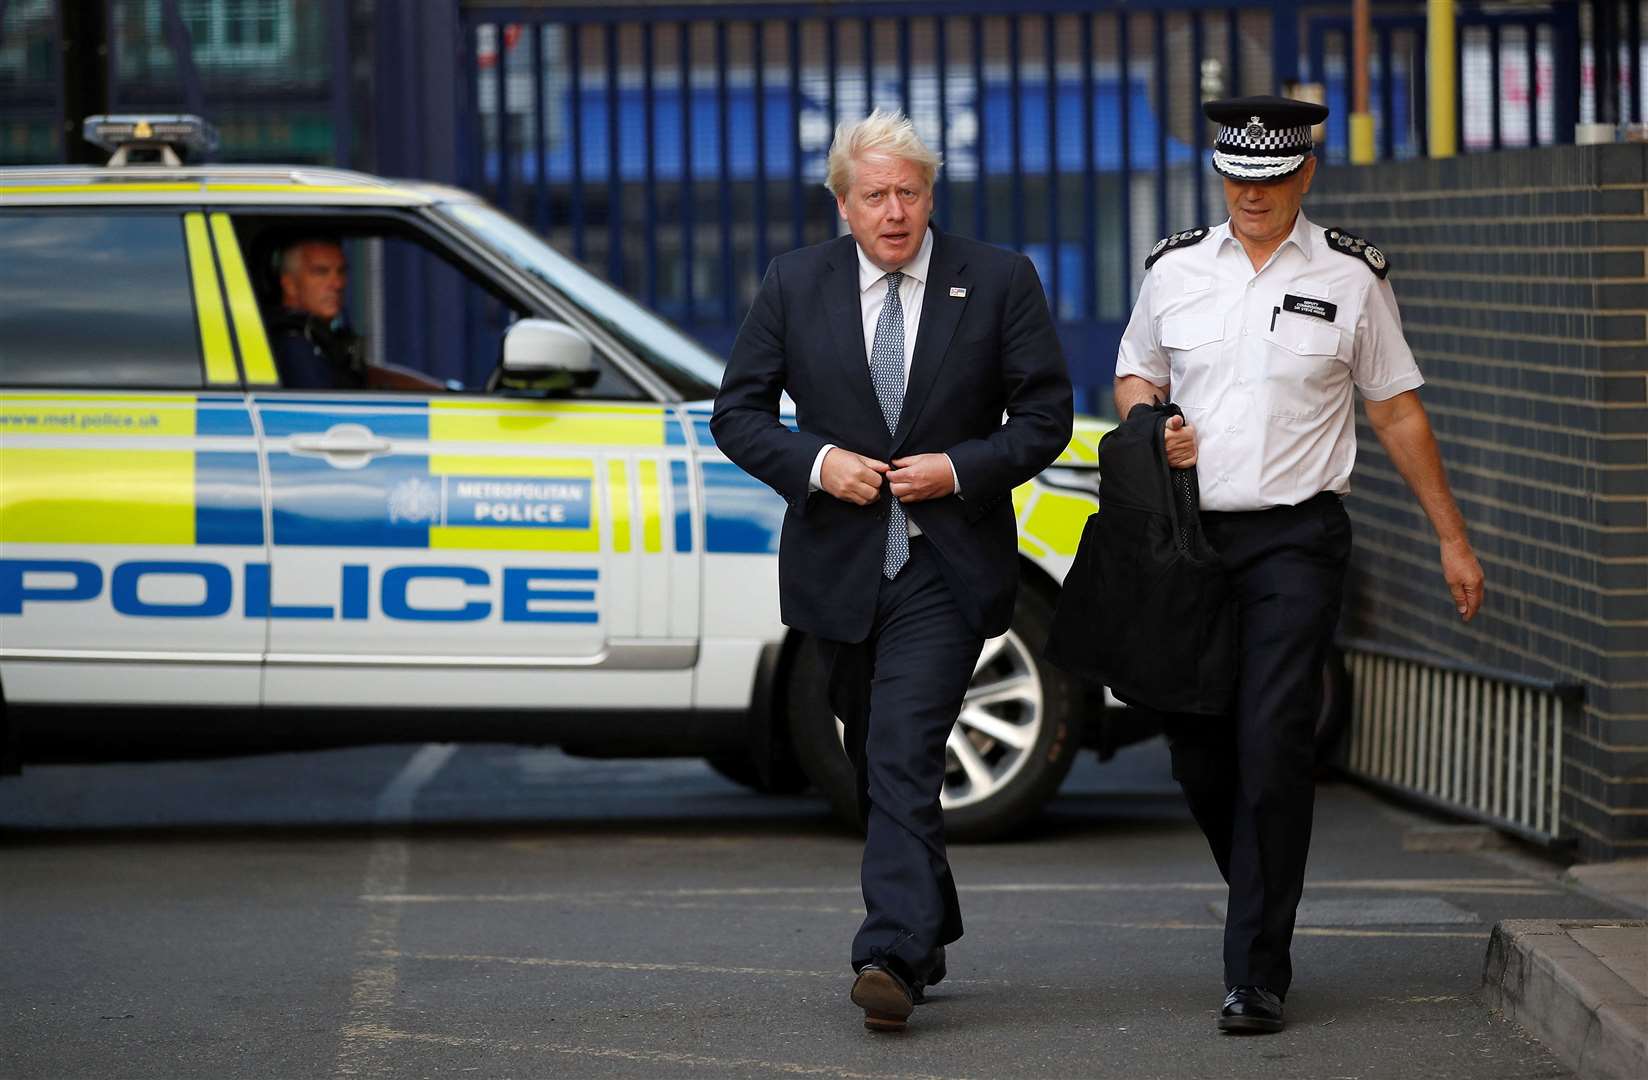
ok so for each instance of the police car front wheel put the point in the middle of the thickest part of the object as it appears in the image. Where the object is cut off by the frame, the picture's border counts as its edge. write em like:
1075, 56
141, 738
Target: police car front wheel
1013, 743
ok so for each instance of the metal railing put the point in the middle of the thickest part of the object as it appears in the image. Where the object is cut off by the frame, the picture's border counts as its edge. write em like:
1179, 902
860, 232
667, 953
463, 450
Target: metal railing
679, 150
1526, 75
1481, 744
1519, 76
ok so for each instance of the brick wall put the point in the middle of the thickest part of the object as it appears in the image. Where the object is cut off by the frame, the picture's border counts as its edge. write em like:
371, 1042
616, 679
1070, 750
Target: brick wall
1523, 282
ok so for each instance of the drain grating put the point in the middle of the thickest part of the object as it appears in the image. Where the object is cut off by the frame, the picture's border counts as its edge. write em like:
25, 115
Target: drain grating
1383, 911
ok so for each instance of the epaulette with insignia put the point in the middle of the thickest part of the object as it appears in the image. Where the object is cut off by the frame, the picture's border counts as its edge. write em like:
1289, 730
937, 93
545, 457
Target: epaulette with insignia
1356, 247
1172, 243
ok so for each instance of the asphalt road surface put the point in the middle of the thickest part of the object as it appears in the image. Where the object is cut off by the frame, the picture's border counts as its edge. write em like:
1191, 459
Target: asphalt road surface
501, 912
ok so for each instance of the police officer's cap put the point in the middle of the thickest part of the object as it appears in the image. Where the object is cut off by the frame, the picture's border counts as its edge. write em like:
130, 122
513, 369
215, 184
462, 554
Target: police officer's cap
1262, 138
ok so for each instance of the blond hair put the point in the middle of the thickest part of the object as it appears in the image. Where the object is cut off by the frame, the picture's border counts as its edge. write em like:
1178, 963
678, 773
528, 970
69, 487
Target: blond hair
887, 134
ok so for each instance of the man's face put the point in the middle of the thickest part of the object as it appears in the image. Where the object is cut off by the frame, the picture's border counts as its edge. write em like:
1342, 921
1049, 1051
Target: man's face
315, 285
1263, 211
886, 205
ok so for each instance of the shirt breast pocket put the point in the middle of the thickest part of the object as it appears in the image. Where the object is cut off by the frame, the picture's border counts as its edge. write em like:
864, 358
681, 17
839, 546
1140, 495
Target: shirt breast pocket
1193, 344
1305, 373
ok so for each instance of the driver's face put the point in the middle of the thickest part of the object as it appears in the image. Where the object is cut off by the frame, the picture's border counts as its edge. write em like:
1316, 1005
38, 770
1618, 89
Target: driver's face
316, 286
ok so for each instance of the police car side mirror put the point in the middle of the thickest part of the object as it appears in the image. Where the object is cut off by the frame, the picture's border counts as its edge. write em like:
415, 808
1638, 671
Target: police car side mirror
540, 346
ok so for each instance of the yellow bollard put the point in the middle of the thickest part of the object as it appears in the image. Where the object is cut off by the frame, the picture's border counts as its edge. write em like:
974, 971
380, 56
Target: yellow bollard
1361, 116
1361, 139
1444, 79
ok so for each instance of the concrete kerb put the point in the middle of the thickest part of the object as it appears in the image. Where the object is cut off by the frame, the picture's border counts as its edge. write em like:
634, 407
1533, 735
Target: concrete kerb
1559, 991
1622, 883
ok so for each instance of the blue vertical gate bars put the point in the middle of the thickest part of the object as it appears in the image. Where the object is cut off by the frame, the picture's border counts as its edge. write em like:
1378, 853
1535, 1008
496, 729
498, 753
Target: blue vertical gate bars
1519, 77
1070, 130
698, 139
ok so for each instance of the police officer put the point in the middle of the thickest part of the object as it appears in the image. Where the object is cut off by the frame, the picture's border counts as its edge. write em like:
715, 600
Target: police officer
313, 348
1259, 327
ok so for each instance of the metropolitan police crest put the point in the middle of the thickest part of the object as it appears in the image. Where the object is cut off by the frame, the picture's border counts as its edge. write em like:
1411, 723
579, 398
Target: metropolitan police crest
414, 501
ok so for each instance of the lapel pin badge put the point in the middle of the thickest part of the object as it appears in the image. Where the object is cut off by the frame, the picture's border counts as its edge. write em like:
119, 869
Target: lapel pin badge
958, 292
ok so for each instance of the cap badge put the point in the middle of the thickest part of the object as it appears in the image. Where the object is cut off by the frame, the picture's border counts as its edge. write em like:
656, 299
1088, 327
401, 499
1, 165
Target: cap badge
1255, 129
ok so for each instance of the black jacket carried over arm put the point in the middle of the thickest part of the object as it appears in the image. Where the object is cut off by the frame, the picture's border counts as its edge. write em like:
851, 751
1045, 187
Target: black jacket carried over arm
1146, 608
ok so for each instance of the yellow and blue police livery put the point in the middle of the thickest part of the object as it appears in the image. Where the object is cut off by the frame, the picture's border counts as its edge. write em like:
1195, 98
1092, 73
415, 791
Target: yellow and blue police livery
540, 542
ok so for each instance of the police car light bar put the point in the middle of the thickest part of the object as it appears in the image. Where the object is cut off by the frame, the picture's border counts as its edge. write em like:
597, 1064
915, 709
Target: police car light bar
170, 138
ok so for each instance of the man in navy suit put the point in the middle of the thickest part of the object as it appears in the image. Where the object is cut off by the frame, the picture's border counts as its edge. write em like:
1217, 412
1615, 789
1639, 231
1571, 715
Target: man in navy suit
903, 348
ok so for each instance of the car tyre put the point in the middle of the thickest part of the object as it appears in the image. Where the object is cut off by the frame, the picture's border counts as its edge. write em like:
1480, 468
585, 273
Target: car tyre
1021, 698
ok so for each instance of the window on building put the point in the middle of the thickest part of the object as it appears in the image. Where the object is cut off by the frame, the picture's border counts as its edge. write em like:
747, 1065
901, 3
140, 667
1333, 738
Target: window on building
230, 32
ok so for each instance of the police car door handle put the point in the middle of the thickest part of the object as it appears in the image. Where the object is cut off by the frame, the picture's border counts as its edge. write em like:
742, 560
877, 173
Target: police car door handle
344, 445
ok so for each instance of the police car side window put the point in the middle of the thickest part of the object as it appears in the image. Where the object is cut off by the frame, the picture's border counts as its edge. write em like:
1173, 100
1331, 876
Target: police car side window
441, 321
427, 315
361, 302
96, 299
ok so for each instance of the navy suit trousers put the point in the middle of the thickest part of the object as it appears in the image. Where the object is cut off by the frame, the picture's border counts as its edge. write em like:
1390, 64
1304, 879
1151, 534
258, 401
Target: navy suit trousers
1249, 777
898, 693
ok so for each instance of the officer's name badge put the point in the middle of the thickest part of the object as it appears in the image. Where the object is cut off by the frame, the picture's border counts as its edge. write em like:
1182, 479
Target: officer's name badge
958, 292
1305, 305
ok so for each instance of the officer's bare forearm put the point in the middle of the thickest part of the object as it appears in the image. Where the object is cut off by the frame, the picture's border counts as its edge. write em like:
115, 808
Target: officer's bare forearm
1404, 430
1134, 390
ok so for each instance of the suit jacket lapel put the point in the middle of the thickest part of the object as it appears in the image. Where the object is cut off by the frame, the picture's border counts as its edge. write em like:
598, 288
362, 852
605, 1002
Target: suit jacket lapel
940, 314
845, 316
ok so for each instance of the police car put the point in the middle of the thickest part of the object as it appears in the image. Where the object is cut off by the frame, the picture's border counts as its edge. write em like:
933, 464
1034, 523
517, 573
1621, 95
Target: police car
527, 534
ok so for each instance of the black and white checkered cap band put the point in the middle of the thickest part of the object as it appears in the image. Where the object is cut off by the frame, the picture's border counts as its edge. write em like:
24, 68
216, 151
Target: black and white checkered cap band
1259, 140
1255, 152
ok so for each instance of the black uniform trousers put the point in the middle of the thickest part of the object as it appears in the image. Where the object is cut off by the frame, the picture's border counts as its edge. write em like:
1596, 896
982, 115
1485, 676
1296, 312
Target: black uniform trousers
898, 693
1249, 777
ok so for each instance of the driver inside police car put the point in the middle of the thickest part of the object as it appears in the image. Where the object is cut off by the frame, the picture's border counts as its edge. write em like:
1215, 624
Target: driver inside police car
314, 348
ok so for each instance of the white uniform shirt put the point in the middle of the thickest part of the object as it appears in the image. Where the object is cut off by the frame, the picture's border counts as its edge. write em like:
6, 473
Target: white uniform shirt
1263, 362
872, 296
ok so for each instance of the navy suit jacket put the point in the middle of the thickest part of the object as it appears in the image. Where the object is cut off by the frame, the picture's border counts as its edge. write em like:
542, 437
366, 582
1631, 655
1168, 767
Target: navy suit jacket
985, 346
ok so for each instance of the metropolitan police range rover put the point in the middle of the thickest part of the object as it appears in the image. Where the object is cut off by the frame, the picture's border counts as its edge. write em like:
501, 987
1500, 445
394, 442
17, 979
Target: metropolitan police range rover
547, 548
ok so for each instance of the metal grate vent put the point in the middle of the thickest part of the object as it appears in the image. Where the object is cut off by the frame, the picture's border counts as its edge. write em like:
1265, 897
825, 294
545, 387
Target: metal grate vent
1482, 744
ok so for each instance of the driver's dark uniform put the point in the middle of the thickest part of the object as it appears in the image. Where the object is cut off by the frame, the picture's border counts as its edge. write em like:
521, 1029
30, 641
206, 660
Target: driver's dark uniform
311, 354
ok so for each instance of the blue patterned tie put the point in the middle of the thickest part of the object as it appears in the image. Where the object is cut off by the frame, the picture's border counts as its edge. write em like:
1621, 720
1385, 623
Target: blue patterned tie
887, 374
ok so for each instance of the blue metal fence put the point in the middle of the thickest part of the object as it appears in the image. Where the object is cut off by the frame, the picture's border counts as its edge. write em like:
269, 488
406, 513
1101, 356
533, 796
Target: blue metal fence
679, 150
1518, 78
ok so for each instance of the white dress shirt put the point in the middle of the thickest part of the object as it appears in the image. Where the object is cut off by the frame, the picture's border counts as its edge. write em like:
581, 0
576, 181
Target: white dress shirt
1263, 362
872, 296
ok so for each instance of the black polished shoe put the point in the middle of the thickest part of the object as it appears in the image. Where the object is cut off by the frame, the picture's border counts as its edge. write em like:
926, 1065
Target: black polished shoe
884, 996
1251, 1010
935, 975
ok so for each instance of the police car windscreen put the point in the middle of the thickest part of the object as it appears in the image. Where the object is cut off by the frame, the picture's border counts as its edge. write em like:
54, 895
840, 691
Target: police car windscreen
678, 359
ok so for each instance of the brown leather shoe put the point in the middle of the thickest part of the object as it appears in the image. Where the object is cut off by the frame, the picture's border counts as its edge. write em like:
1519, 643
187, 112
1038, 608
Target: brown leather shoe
884, 997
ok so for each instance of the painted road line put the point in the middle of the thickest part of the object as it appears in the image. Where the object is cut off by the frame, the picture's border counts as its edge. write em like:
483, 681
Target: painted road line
376, 976
380, 1034
1476, 886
